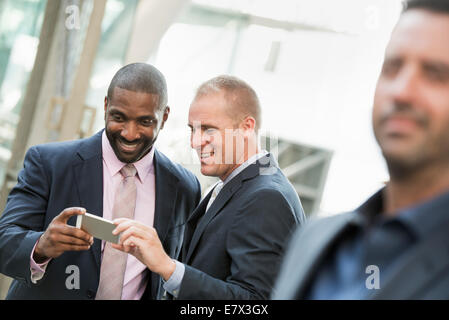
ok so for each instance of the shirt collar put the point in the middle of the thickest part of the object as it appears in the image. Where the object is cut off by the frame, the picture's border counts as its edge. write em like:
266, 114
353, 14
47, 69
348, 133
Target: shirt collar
144, 166
426, 216
420, 219
244, 165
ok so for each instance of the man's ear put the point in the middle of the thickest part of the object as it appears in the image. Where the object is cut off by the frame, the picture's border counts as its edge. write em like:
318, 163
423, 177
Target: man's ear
105, 106
249, 125
165, 116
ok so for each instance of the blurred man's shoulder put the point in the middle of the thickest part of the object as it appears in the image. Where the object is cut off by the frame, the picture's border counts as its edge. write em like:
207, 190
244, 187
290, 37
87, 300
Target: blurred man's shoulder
323, 225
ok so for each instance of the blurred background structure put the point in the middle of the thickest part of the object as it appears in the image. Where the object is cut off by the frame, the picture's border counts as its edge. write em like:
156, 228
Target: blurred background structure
313, 63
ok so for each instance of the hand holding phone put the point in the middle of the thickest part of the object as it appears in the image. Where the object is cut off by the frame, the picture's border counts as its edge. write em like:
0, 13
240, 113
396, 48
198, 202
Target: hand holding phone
98, 227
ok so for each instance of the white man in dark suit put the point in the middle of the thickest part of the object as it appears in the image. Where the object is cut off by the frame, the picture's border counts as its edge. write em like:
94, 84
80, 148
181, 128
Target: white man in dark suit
235, 238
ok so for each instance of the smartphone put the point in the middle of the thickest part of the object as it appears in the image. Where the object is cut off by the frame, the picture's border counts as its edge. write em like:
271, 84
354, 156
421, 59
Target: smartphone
98, 227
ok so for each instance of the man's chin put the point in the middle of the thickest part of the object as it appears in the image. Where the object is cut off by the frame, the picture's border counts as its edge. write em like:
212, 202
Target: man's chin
402, 146
128, 157
208, 171
401, 161
131, 157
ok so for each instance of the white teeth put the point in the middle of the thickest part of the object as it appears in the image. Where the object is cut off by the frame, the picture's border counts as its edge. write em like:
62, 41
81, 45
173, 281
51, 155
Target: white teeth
206, 155
127, 145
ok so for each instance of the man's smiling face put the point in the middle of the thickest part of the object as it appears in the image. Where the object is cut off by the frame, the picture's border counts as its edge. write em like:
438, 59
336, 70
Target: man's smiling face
214, 135
132, 123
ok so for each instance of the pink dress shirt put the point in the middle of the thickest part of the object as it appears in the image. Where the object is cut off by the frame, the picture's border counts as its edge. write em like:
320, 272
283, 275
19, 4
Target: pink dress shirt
136, 275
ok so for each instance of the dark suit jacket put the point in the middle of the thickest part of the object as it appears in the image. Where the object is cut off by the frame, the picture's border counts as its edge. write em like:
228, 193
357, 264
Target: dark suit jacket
233, 251
60, 175
421, 273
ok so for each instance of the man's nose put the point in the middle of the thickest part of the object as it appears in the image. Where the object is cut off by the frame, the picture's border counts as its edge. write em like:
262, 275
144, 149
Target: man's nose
196, 139
130, 132
405, 85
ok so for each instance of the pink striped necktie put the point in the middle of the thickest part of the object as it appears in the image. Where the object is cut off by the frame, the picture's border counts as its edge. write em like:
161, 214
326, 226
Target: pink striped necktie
113, 264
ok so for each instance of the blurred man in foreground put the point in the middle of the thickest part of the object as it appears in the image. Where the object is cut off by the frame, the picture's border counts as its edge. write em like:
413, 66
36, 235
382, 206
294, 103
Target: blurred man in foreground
395, 246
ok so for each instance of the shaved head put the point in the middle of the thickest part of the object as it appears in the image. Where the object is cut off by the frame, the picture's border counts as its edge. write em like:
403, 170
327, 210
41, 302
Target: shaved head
140, 77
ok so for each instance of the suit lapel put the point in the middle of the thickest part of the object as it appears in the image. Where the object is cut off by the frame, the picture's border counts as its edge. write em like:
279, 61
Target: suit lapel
166, 193
191, 224
88, 173
314, 248
166, 184
223, 197
420, 264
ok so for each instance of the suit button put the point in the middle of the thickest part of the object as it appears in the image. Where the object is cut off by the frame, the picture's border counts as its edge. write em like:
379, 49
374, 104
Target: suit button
90, 294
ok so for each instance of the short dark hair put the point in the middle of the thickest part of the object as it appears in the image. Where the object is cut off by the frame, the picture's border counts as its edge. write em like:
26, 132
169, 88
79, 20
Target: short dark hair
140, 77
243, 98
440, 6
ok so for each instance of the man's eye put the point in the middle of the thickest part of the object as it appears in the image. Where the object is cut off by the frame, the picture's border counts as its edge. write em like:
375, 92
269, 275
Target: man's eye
435, 74
209, 131
391, 68
148, 122
117, 117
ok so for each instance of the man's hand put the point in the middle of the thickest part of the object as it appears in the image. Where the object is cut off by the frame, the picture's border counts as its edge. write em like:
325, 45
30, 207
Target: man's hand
60, 237
143, 242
